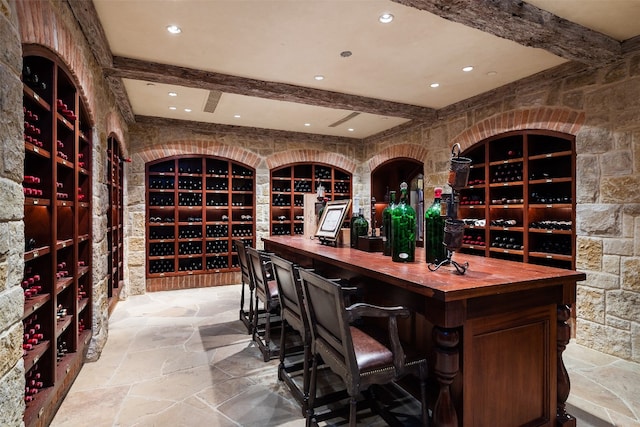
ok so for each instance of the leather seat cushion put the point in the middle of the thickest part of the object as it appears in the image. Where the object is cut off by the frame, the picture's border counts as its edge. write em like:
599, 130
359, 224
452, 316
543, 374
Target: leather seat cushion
370, 353
273, 288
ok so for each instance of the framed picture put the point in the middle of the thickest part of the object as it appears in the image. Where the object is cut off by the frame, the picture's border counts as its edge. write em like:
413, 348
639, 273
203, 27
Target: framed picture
332, 219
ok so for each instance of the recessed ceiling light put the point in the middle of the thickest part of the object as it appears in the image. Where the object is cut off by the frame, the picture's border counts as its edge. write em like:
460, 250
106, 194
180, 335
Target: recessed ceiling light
492, 73
434, 85
172, 108
351, 129
174, 29
345, 53
173, 94
467, 69
319, 77
187, 110
385, 18
307, 124
237, 116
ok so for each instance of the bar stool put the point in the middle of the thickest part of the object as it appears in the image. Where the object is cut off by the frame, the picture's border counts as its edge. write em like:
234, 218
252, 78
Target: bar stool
246, 316
266, 291
294, 317
358, 358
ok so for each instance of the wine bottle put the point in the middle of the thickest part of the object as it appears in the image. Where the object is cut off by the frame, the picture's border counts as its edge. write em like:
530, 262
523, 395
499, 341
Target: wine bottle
386, 223
403, 229
434, 231
359, 227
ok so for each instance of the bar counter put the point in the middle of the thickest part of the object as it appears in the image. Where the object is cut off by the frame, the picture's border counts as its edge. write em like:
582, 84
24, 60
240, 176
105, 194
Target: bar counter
494, 335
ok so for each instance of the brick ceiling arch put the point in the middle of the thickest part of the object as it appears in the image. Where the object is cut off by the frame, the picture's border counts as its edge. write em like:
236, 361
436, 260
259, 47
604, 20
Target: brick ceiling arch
113, 124
204, 148
61, 41
556, 119
410, 151
310, 156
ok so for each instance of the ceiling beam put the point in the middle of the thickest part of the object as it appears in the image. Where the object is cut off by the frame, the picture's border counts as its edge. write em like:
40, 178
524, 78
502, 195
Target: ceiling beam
87, 16
245, 131
170, 74
527, 25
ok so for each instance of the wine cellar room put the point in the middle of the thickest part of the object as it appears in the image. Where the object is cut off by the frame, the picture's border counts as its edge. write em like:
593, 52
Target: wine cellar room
135, 156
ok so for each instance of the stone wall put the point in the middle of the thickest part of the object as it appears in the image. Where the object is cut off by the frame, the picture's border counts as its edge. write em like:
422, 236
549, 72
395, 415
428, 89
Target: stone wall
600, 107
11, 226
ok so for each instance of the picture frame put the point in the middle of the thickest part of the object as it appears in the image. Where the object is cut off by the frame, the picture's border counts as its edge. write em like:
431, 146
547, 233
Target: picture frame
331, 220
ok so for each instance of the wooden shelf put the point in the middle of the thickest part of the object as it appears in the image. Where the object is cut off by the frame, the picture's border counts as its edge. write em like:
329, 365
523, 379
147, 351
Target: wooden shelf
541, 166
205, 192
290, 183
53, 145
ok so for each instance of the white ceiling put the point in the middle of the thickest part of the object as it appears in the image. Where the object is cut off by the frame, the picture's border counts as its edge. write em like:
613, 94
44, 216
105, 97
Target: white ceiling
291, 41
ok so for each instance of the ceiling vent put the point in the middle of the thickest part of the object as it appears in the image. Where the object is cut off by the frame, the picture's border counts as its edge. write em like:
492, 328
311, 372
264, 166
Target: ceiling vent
212, 101
344, 120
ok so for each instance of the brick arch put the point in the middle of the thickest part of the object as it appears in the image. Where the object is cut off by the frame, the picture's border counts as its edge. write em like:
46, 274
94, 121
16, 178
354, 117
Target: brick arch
542, 118
204, 148
310, 156
410, 151
113, 125
52, 33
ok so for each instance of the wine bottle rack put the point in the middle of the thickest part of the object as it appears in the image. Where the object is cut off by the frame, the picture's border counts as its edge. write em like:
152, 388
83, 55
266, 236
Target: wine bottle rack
290, 183
115, 220
57, 277
520, 200
195, 207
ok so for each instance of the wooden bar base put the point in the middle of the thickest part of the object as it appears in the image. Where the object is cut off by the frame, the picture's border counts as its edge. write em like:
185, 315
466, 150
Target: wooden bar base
495, 335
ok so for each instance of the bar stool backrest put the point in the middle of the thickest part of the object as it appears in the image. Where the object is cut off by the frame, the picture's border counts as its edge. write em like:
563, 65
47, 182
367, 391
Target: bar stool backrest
290, 293
244, 263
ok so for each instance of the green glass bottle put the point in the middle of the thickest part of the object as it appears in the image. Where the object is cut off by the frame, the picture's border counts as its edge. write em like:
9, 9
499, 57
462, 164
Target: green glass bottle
359, 227
434, 231
386, 223
403, 229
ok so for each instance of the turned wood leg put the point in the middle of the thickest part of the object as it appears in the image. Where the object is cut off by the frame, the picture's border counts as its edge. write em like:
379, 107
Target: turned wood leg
446, 369
564, 385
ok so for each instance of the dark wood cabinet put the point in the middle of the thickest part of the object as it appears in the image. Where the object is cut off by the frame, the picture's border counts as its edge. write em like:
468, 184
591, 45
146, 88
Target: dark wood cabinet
58, 242
290, 183
196, 206
520, 201
115, 220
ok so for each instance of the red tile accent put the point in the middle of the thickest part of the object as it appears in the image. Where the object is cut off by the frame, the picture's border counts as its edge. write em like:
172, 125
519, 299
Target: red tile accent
192, 281
551, 118
236, 154
283, 158
410, 151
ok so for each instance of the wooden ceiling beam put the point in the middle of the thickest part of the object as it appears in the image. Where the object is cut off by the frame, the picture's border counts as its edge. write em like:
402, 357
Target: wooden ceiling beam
527, 25
136, 69
244, 131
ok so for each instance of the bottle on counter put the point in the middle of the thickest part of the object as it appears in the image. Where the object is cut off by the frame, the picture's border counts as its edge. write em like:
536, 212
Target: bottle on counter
386, 223
403, 229
434, 231
359, 227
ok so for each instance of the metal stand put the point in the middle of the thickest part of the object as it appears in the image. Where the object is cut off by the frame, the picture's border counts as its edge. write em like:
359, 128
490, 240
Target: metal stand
453, 232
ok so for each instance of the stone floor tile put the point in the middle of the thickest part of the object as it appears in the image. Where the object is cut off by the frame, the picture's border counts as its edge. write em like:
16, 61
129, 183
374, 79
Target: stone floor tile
258, 406
183, 358
97, 407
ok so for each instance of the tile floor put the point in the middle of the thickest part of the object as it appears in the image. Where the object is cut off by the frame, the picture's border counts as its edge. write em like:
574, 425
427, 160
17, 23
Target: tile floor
183, 358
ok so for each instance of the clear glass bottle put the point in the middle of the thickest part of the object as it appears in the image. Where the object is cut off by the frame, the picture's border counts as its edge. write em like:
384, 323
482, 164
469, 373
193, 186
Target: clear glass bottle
403, 229
434, 231
359, 227
386, 223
